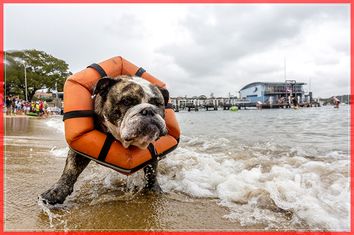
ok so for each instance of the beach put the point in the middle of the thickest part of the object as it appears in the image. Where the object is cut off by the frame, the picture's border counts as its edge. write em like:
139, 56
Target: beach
35, 158
249, 170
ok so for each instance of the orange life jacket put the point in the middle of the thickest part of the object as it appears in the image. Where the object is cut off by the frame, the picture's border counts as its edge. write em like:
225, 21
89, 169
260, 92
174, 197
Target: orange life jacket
84, 139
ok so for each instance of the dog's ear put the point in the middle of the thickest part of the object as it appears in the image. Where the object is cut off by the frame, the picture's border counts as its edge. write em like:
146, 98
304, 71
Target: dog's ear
165, 94
103, 85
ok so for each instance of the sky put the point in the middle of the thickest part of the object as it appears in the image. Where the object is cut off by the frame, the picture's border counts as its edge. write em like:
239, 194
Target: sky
197, 49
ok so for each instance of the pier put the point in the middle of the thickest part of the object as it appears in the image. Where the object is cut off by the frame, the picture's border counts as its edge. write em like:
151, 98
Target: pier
221, 103
260, 95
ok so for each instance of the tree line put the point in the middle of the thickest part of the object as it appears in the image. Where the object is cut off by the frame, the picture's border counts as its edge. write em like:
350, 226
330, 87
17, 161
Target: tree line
42, 71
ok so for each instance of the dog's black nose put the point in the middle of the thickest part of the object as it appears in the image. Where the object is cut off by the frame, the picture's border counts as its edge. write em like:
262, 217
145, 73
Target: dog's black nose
147, 112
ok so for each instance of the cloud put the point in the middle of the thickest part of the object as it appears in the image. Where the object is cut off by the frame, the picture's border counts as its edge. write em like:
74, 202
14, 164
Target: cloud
242, 44
236, 32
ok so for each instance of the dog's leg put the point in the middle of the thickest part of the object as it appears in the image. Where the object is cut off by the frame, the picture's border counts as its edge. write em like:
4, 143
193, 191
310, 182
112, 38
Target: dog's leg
75, 164
150, 177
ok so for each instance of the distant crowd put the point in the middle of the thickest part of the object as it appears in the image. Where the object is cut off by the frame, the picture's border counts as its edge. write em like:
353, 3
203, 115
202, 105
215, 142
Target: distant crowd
16, 106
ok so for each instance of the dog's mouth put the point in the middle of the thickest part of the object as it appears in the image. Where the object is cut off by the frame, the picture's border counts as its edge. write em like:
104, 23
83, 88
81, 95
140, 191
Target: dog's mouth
141, 126
142, 135
128, 139
131, 139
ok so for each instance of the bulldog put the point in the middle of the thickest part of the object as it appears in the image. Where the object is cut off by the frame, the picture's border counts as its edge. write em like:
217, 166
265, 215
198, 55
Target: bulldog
132, 110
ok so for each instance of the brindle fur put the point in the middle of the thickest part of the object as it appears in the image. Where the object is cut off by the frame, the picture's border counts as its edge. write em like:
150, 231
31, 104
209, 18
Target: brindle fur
110, 109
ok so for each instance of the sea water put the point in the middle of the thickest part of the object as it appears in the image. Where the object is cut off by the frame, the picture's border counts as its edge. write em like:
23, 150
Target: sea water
259, 163
265, 169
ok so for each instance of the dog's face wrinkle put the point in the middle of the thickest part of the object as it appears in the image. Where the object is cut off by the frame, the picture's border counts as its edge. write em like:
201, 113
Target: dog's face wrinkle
133, 88
123, 96
114, 115
119, 107
129, 101
145, 129
121, 112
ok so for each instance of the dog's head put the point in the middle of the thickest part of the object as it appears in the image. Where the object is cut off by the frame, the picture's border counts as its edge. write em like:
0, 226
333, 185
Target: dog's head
132, 109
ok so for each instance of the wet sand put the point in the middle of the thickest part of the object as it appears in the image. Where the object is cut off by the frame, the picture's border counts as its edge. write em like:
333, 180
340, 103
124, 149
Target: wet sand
31, 168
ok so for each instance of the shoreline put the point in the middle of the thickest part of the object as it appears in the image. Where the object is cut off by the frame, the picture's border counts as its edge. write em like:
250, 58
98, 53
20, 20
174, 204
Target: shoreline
29, 161
29, 116
207, 187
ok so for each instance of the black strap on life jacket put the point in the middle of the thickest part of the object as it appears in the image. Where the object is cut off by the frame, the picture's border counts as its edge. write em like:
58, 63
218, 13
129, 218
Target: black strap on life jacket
98, 69
152, 151
78, 114
102, 73
140, 72
85, 113
105, 148
167, 151
168, 106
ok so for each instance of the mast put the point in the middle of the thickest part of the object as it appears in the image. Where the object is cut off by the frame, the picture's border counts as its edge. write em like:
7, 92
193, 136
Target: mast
284, 68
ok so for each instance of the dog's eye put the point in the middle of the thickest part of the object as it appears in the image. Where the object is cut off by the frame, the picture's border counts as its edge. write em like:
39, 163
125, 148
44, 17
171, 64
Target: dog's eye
129, 101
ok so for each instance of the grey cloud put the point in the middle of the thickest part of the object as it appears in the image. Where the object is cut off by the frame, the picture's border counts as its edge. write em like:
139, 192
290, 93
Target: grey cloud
79, 34
218, 48
237, 32
125, 26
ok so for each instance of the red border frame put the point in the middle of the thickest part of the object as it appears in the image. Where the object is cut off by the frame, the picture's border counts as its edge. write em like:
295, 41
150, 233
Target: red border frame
1, 119
176, 1
172, 1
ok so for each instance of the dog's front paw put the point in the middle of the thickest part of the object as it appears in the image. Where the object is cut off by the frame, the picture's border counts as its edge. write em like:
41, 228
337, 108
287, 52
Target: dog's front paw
56, 194
155, 188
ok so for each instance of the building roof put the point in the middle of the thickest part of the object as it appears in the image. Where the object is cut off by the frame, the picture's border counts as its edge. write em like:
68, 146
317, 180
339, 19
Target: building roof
268, 83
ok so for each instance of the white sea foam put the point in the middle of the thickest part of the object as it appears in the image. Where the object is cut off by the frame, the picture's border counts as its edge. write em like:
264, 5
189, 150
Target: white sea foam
56, 124
289, 191
314, 193
59, 152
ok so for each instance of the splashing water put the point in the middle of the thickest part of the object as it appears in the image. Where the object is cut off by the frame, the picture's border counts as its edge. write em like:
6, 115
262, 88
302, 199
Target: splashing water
56, 220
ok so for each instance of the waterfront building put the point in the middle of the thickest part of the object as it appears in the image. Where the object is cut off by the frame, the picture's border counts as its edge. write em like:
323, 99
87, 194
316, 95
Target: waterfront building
273, 92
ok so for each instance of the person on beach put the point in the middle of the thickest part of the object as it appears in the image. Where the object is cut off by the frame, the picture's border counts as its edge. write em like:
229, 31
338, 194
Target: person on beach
45, 109
41, 108
36, 107
8, 104
14, 106
27, 107
33, 107
18, 106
